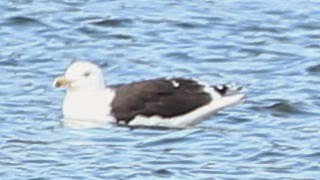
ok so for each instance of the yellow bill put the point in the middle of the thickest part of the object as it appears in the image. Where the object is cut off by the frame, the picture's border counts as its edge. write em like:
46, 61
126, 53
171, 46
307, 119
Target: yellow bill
61, 81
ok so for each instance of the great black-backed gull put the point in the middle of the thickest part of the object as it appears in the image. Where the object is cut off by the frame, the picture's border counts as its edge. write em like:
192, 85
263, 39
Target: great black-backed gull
175, 102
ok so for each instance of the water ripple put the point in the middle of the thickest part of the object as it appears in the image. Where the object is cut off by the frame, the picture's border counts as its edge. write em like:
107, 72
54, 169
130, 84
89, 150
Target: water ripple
269, 47
112, 22
314, 69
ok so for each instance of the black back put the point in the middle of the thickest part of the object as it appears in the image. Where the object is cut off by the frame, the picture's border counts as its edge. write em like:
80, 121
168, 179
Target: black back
163, 97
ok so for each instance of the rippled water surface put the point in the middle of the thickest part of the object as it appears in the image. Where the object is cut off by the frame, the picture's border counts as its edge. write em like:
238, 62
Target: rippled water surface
271, 48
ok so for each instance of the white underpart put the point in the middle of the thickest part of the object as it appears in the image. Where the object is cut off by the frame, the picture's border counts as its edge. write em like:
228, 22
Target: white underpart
87, 109
218, 102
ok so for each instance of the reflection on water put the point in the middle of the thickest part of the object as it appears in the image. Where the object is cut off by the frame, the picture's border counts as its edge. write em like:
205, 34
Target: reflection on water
271, 48
83, 124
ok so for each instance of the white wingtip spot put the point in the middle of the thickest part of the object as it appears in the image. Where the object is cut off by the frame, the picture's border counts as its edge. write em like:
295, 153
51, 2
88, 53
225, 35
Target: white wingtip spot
175, 84
219, 87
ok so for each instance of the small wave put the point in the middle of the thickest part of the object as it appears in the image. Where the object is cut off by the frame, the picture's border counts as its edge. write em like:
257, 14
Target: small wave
21, 21
112, 22
309, 26
282, 108
187, 25
121, 37
314, 69
21, 141
179, 56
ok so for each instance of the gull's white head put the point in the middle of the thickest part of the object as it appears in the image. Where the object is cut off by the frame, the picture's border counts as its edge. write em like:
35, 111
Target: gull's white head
81, 75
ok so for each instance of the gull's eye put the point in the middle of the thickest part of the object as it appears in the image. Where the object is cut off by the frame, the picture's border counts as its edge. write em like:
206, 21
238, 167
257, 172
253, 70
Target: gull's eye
86, 74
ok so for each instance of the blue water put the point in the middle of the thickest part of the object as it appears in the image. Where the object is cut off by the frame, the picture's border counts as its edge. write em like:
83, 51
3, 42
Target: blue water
271, 48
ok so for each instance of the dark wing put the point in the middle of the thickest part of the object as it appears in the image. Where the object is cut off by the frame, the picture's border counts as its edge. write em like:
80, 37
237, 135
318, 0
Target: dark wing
163, 97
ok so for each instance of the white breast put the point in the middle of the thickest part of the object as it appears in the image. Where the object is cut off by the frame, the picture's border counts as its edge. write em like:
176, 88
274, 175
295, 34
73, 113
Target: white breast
88, 108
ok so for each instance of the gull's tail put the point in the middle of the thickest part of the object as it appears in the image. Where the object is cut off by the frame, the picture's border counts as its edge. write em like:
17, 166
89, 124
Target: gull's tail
227, 95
